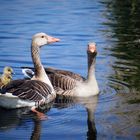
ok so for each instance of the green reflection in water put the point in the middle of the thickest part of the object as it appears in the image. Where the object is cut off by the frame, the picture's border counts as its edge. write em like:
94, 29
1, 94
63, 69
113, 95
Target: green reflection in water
123, 31
124, 21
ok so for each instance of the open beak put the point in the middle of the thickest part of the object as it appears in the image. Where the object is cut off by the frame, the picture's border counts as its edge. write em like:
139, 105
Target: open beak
92, 47
52, 39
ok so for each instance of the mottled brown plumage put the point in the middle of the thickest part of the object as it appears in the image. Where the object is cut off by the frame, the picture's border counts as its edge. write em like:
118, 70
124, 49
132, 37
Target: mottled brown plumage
32, 90
35, 91
71, 84
63, 79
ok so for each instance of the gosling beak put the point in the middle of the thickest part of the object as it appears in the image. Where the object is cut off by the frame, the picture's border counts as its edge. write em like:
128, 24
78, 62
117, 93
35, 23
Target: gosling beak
52, 39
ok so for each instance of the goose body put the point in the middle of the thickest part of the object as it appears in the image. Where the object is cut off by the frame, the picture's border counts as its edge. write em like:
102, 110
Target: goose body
23, 93
36, 91
71, 84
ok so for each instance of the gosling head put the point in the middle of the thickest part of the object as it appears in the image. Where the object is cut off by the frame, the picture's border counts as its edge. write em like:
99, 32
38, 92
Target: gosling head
41, 39
8, 70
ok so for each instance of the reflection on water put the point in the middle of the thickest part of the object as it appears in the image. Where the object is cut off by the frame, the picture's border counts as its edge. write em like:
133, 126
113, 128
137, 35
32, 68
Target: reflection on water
89, 104
124, 25
125, 50
36, 130
10, 119
115, 27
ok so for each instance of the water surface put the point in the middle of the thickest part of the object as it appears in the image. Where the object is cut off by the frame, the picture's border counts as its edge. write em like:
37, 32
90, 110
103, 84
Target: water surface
115, 27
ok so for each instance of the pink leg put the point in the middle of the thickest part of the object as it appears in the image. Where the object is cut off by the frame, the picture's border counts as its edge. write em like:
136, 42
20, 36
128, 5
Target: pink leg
40, 115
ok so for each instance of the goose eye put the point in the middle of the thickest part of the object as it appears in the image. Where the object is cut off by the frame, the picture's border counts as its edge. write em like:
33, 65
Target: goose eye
42, 36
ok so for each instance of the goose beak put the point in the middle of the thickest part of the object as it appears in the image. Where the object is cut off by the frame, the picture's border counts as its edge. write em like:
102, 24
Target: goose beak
92, 47
52, 39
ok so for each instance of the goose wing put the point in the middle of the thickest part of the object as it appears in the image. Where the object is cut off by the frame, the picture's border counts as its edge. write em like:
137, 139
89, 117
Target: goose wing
73, 75
29, 72
63, 79
32, 90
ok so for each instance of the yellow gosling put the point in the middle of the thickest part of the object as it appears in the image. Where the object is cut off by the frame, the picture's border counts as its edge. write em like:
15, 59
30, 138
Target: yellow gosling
6, 77
8, 70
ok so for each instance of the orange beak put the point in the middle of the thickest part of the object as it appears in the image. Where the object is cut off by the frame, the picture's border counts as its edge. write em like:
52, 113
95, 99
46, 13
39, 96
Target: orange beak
92, 47
52, 39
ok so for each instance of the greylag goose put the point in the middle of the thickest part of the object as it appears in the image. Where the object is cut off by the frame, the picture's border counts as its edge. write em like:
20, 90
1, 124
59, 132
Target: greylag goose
71, 84
6, 77
36, 91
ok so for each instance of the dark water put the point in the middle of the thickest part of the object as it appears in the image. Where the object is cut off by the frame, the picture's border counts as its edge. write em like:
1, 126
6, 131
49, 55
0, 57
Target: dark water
115, 27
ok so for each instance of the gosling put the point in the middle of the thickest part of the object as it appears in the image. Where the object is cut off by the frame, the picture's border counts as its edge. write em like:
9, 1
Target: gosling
6, 77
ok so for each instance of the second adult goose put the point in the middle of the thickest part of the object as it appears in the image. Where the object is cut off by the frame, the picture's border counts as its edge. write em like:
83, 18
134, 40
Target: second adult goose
34, 92
71, 84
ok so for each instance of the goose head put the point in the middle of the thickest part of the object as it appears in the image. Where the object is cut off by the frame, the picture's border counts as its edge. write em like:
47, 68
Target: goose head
91, 49
92, 52
8, 70
41, 39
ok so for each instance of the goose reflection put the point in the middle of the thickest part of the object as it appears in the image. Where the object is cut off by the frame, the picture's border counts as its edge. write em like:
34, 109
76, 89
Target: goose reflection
37, 130
13, 118
10, 119
89, 103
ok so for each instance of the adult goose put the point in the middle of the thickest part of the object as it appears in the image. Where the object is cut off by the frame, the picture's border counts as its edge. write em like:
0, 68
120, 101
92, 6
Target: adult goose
6, 77
36, 91
71, 84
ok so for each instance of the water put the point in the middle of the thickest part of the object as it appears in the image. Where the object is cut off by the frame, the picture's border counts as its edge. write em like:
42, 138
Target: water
115, 27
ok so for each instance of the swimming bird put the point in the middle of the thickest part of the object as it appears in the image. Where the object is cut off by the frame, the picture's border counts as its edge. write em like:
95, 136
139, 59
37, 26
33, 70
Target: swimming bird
71, 84
36, 91
6, 77
8, 70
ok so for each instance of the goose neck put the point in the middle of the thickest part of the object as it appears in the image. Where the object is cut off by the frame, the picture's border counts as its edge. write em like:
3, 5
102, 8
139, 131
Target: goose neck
91, 66
35, 52
40, 73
